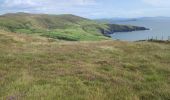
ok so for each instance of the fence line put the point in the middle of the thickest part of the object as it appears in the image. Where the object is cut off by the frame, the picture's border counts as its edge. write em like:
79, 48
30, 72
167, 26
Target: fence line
156, 38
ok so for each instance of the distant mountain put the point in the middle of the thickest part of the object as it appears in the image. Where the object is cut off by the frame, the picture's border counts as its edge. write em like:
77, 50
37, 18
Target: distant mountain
65, 27
154, 18
114, 20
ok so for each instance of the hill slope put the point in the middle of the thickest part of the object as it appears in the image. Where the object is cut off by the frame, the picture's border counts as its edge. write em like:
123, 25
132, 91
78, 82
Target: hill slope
34, 68
66, 27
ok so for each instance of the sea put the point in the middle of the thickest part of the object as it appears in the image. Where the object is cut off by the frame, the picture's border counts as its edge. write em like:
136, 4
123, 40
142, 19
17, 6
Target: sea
159, 29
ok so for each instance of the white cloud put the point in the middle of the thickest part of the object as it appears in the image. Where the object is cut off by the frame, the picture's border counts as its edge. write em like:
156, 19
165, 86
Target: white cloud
88, 8
14, 3
78, 7
158, 3
83, 2
45, 3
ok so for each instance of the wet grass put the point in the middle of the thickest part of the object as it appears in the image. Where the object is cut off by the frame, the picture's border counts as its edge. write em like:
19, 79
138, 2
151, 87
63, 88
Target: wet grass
34, 68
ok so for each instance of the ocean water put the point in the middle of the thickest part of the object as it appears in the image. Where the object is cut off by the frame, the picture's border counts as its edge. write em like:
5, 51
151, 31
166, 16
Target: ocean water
159, 29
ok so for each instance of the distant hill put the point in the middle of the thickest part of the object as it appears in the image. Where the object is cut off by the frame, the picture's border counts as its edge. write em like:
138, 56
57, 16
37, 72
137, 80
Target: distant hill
154, 18
64, 27
114, 20
41, 21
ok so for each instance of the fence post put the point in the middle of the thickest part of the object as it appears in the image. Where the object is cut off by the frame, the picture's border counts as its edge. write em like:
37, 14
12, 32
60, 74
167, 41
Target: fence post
168, 38
148, 38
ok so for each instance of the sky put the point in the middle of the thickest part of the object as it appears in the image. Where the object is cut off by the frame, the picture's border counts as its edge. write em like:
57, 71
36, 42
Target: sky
90, 8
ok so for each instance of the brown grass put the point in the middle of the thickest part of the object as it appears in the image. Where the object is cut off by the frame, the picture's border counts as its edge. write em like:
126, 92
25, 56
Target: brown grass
34, 68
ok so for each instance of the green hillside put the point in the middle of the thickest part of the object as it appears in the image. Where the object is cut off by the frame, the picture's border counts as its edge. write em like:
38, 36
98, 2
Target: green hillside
36, 68
64, 27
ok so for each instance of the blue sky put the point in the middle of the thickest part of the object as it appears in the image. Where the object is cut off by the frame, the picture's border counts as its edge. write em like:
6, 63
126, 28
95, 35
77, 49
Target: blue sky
90, 8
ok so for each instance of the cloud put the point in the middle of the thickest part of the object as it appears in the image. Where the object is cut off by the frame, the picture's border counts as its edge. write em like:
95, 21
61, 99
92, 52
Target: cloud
158, 3
45, 3
17, 3
45, 6
88, 8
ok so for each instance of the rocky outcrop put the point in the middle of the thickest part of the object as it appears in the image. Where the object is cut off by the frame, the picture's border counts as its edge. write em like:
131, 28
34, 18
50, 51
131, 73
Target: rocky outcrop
113, 28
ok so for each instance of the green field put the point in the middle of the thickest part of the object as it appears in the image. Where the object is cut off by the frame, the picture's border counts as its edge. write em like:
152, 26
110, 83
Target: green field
38, 68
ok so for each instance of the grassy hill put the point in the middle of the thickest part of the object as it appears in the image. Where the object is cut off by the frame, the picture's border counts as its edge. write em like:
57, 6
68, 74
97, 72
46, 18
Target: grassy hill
64, 27
33, 67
